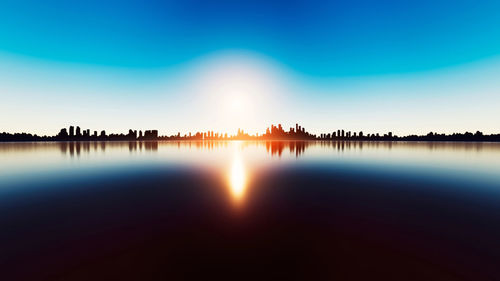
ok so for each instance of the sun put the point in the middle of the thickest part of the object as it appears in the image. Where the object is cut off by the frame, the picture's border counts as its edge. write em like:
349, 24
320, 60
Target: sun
236, 91
238, 105
235, 105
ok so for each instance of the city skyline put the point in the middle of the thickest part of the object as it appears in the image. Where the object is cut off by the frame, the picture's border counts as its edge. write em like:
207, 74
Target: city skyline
273, 132
188, 66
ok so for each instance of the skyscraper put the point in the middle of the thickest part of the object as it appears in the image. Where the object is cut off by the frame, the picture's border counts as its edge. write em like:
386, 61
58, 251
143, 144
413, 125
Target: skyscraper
63, 133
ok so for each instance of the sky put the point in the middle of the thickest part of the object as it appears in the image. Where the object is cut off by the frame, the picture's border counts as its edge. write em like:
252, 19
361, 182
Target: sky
409, 67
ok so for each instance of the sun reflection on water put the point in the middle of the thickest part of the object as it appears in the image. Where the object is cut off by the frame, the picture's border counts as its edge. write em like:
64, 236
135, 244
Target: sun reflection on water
237, 178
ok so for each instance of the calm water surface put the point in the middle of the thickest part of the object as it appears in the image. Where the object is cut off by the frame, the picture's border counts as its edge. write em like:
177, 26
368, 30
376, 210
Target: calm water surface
249, 210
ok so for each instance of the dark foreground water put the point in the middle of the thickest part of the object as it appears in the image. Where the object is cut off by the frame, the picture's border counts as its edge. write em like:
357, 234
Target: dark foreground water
249, 210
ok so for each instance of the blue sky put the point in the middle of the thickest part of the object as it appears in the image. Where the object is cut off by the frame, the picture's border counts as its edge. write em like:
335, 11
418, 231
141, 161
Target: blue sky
365, 65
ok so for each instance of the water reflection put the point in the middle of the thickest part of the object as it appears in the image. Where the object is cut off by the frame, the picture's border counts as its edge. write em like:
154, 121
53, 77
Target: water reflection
26, 158
136, 208
273, 148
295, 147
75, 148
237, 178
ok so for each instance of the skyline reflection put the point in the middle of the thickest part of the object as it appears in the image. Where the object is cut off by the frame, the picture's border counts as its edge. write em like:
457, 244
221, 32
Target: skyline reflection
29, 158
273, 148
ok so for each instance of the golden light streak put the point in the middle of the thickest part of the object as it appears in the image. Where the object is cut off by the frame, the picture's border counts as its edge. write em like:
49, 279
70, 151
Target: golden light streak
237, 178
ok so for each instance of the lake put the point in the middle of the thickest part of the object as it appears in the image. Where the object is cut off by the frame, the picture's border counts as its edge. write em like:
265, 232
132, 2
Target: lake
257, 210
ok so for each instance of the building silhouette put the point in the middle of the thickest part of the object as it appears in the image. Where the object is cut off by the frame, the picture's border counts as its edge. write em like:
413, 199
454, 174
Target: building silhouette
273, 132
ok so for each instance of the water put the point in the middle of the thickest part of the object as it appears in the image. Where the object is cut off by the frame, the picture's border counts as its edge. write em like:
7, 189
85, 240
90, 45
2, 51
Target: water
249, 210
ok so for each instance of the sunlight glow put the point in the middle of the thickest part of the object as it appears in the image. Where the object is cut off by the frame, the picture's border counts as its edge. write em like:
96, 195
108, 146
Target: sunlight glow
237, 178
235, 91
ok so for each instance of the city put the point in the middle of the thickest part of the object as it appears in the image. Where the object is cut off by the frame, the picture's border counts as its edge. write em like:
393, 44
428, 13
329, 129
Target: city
272, 133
